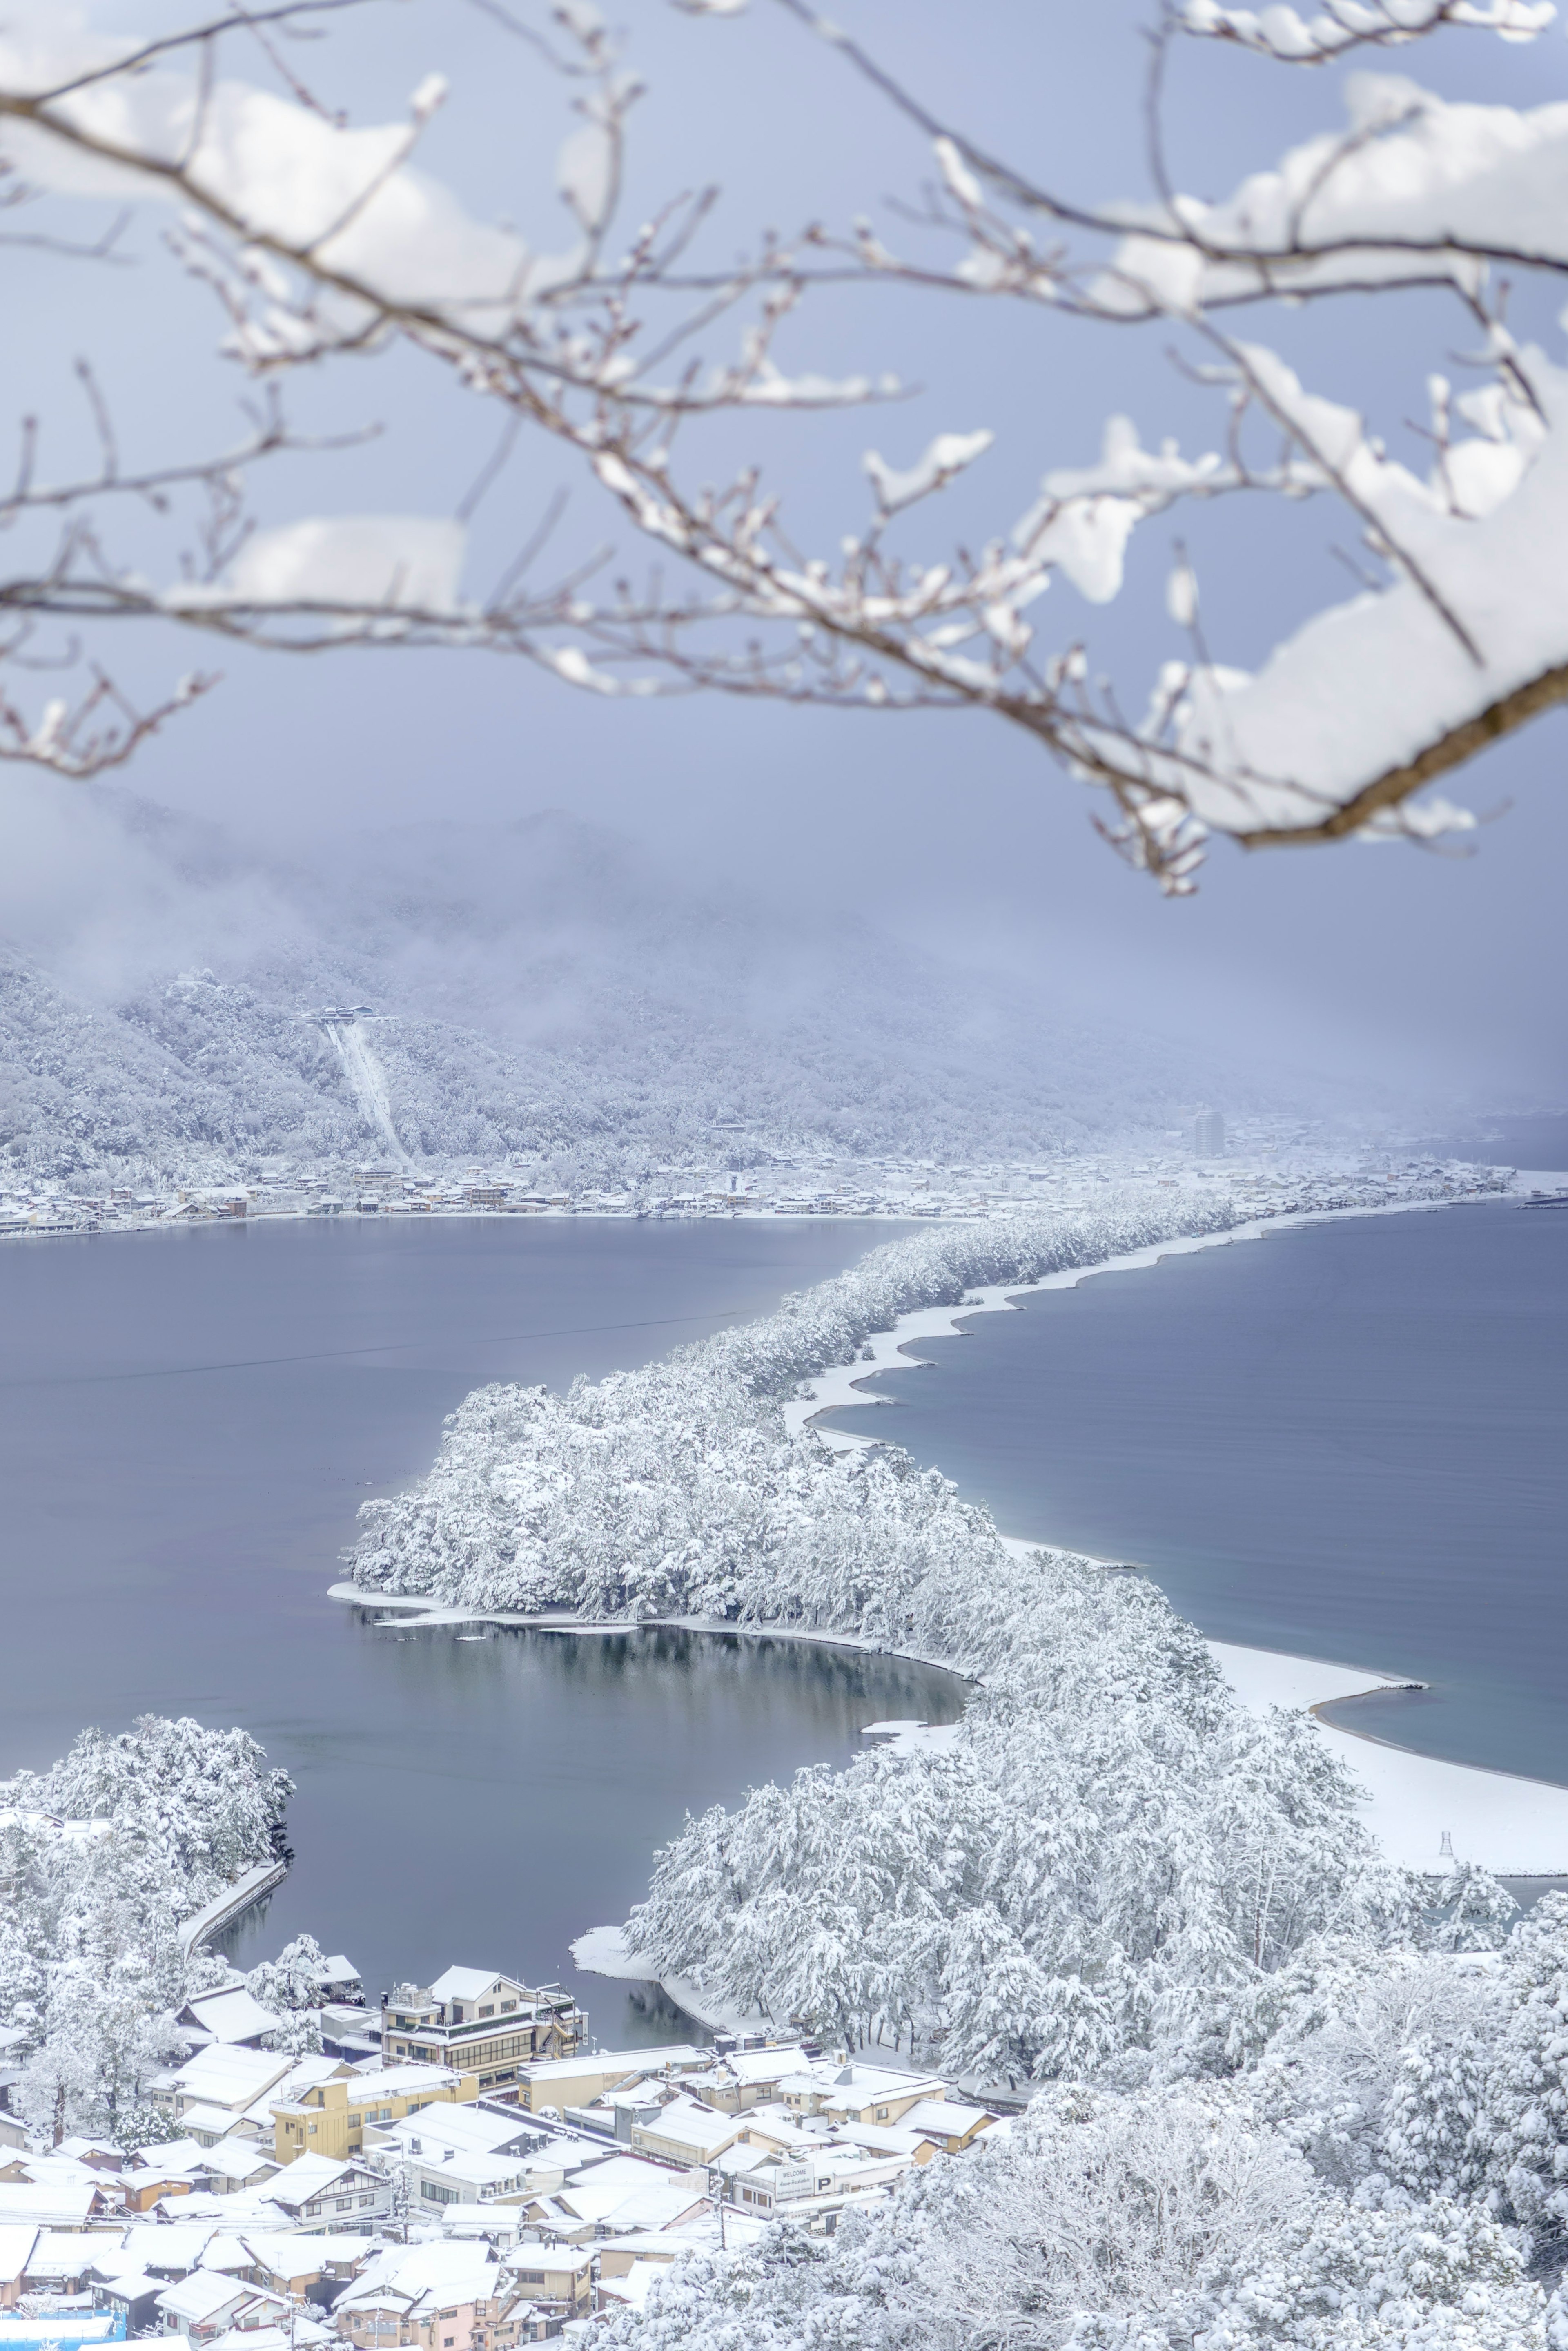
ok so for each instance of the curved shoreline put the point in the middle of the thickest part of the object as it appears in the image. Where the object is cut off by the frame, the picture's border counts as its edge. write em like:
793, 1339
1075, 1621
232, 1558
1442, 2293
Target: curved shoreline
1517, 1827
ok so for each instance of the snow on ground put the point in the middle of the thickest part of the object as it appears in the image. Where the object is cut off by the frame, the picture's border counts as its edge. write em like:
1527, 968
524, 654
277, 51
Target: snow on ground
1518, 1828
602, 1951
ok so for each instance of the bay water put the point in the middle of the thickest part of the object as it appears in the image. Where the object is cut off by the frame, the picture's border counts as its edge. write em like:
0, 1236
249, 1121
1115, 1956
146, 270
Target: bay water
188, 1421
1347, 1440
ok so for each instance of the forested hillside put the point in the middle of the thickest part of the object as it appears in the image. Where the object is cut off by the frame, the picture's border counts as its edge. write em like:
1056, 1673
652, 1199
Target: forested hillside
540, 989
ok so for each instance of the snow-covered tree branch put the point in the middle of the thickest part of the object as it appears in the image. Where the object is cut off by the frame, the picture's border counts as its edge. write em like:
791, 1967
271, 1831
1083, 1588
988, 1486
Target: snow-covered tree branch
632, 349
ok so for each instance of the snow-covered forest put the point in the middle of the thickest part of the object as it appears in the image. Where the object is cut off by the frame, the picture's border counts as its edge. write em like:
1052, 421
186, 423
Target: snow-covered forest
101, 1858
540, 990
1284, 2093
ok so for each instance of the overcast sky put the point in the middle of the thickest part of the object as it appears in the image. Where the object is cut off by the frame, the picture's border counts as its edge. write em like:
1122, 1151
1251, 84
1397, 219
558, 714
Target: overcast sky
1434, 972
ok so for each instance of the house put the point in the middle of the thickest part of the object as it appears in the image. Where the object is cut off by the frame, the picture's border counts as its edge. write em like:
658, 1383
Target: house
207, 2303
443, 2296
445, 2176
685, 2132
559, 2082
315, 2188
478, 2129
948, 2123
133, 2294
854, 2092
300, 2333
331, 2116
222, 2077
231, 2017
480, 2023
629, 2289
97, 2153
173, 2168
339, 1983
235, 2164
619, 2195
557, 2279
170, 2249
17, 2242
51, 2205
745, 2077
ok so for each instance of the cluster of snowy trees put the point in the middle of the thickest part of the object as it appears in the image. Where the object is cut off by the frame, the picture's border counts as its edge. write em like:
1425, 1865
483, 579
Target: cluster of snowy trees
92, 1966
1168, 2216
1385, 2168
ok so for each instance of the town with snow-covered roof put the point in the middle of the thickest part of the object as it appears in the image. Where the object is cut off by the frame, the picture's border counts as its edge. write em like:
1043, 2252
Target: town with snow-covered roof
460, 2170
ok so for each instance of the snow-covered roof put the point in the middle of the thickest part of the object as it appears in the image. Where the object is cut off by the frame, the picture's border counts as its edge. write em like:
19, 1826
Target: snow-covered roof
309, 2176
467, 1983
473, 2168
231, 2016
199, 2298
221, 2076
218, 2120
166, 2159
447, 2271
338, 1969
754, 2065
241, 2159
17, 2239
167, 2244
367, 2087
471, 2128
612, 2200
66, 2252
131, 2285
693, 2125
301, 2333
51, 2205
944, 2117
631, 2288
640, 2062
228, 2251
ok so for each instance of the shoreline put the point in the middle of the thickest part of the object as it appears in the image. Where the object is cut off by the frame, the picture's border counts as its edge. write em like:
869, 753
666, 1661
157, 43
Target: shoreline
1517, 1827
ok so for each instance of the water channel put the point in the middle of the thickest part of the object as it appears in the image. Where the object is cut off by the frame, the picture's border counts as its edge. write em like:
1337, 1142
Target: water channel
188, 1423
1346, 1441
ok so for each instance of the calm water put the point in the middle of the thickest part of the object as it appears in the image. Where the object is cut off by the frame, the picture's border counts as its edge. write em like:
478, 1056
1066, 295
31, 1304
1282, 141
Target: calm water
1349, 1441
188, 1423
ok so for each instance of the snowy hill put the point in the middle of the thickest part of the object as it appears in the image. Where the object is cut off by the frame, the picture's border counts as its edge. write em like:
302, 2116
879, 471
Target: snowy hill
536, 989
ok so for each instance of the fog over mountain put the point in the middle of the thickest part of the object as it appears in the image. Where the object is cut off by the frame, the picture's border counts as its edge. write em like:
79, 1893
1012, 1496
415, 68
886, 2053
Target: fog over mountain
541, 988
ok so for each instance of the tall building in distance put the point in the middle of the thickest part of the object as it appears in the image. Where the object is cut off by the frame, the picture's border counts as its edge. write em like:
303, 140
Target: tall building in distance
1207, 1134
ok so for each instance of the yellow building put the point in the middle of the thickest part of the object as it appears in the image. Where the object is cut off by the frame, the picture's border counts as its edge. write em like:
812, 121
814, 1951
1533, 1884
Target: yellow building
331, 2119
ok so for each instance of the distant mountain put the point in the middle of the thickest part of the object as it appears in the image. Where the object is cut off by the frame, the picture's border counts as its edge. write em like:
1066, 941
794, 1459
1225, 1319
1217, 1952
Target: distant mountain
537, 988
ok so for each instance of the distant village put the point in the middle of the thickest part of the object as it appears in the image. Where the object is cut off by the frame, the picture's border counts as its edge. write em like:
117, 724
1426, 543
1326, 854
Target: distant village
460, 2170
1267, 1164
